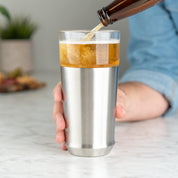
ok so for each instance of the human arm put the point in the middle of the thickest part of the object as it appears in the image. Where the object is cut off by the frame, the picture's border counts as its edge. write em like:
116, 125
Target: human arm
153, 53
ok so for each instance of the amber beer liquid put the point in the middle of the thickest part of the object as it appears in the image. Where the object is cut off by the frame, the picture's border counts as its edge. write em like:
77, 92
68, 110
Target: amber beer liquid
89, 54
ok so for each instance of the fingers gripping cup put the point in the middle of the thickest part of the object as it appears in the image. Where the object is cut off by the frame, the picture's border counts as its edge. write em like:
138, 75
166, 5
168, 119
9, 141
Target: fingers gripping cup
89, 74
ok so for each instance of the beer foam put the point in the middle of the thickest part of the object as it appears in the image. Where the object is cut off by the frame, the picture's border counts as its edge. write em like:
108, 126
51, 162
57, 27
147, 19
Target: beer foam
113, 41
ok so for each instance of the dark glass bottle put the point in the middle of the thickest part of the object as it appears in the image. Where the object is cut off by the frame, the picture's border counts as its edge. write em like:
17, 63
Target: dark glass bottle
120, 9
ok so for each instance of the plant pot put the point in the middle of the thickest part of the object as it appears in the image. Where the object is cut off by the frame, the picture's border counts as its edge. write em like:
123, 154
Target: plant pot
16, 54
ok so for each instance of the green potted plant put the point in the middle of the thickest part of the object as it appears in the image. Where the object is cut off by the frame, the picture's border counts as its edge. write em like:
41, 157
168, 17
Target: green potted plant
16, 43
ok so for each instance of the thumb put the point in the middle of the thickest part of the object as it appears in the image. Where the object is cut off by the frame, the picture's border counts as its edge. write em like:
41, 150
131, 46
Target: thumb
122, 104
120, 112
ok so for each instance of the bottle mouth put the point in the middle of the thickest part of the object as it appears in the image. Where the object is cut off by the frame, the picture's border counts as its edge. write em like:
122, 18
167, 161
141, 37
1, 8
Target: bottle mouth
104, 17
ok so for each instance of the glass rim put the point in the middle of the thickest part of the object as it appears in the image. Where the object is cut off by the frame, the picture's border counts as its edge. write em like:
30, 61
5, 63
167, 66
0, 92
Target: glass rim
88, 31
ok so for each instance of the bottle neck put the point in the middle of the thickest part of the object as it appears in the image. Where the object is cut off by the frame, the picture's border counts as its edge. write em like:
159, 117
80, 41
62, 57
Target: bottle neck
104, 17
120, 9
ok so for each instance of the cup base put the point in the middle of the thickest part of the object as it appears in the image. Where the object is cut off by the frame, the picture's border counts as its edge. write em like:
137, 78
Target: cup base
90, 152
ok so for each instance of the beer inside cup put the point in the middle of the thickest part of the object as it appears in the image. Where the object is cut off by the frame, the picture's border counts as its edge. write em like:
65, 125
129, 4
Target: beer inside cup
89, 54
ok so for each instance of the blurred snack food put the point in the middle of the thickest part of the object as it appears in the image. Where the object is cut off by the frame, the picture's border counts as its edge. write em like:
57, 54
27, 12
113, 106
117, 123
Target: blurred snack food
16, 81
25, 79
1, 77
15, 73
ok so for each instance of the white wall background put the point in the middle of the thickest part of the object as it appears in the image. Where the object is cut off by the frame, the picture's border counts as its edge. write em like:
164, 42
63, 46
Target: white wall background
54, 15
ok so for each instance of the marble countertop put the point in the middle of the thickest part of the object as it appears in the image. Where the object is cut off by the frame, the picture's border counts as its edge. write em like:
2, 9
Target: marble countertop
28, 148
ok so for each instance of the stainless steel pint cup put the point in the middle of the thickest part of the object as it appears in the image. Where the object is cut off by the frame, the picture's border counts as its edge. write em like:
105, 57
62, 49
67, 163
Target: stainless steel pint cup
89, 83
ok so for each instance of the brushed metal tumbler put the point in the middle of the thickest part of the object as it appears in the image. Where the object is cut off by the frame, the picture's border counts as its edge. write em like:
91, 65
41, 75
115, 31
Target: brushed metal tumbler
90, 99
89, 92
